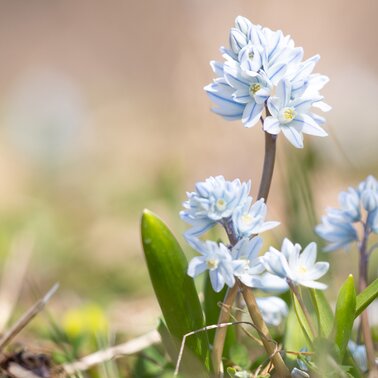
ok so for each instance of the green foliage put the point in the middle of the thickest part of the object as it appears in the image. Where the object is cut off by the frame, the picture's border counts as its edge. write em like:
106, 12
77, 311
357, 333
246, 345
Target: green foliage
323, 312
174, 289
366, 297
302, 320
344, 315
294, 339
239, 355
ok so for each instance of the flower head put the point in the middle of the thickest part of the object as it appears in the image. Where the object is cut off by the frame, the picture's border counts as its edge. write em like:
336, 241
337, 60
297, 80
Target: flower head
295, 266
359, 355
249, 220
214, 200
291, 115
338, 226
263, 68
215, 258
247, 264
273, 309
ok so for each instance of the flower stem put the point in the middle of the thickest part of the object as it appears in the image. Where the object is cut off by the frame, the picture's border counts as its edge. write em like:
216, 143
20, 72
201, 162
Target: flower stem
220, 333
362, 284
269, 344
269, 159
306, 313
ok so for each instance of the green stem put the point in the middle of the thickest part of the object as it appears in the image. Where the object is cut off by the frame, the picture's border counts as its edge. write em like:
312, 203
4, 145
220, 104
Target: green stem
306, 313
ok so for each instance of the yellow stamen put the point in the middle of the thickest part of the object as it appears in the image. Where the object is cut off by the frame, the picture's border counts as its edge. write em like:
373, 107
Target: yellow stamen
254, 88
212, 263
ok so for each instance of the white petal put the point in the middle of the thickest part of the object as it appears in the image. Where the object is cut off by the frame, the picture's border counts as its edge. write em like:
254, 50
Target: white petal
217, 280
309, 126
322, 106
272, 125
276, 72
242, 96
293, 136
314, 285
308, 256
252, 114
196, 266
319, 270
283, 92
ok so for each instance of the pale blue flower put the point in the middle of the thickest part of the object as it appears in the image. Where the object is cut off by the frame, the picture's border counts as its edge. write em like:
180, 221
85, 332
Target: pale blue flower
215, 258
296, 267
297, 373
368, 190
291, 116
249, 220
372, 221
247, 264
273, 309
214, 201
255, 62
338, 225
337, 230
359, 355
271, 283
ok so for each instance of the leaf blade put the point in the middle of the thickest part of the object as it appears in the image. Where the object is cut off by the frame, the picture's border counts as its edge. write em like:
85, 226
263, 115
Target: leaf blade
366, 297
344, 314
174, 289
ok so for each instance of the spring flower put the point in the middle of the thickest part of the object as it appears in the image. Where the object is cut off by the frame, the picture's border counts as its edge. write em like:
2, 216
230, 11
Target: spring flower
359, 355
291, 116
297, 373
249, 220
296, 267
215, 258
273, 309
338, 226
247, 265
337, 230
270, 283
368, 190
256, 62
214, 201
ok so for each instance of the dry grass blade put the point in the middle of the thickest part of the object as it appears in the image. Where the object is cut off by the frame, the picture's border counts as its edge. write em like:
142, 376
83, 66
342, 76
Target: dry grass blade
13, 276
19, 372
27, 317
128, 348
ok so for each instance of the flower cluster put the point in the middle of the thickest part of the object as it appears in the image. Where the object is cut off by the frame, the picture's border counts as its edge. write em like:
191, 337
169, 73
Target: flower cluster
357, 206
228, 203
263, 69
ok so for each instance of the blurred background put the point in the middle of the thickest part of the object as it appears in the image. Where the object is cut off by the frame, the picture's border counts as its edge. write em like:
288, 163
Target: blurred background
103, 113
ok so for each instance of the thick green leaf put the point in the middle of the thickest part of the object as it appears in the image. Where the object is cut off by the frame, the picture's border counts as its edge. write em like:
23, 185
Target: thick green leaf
366, 297
174, 289
323, 311
212, 310
345, 314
